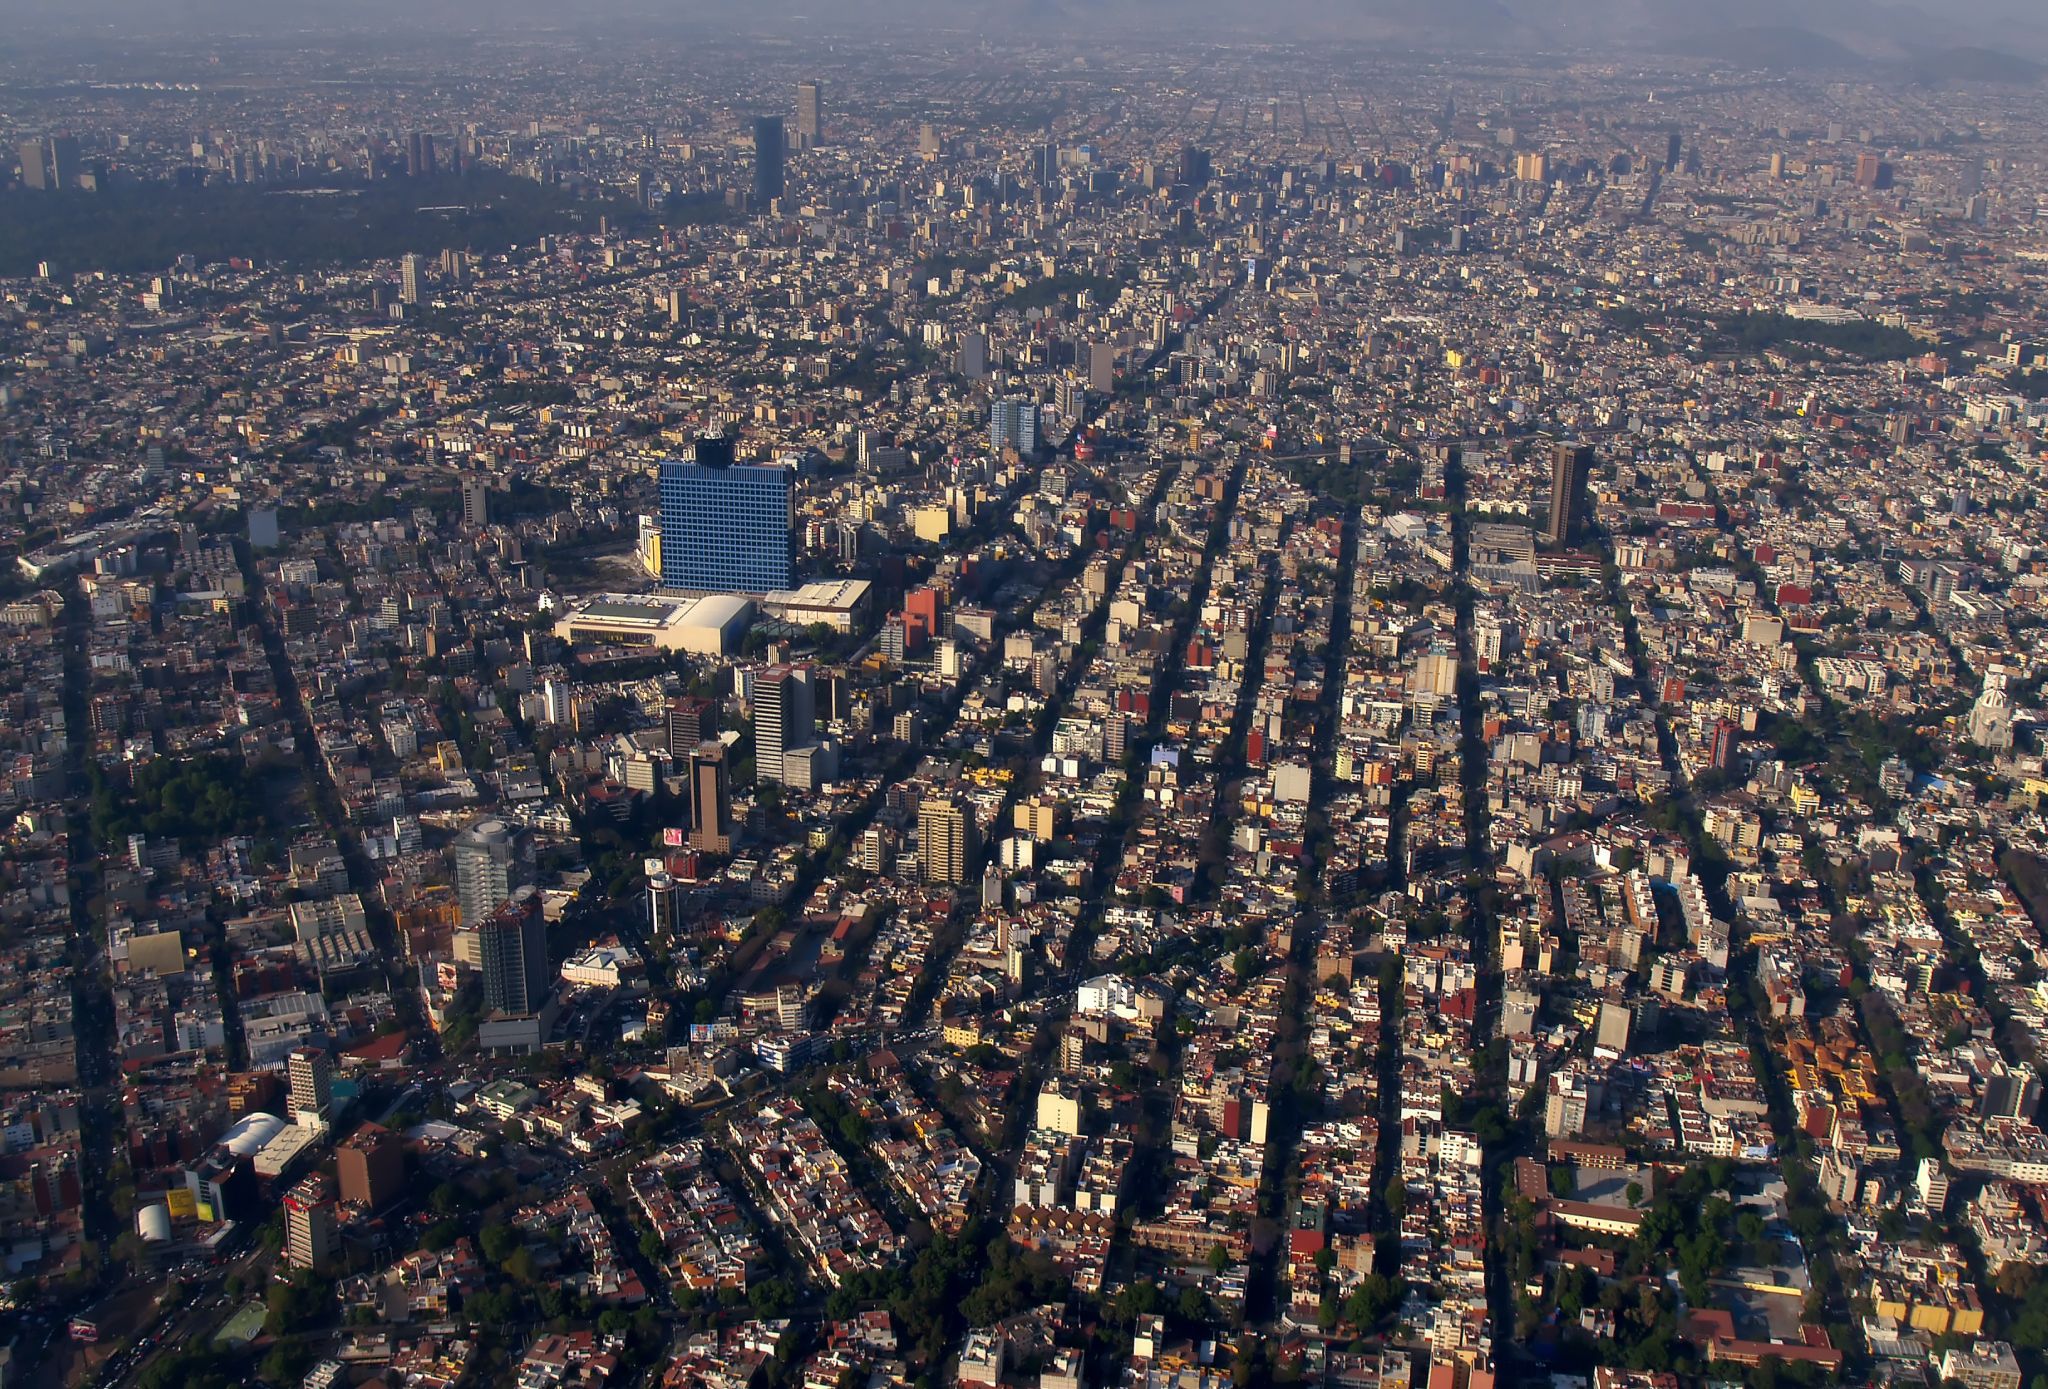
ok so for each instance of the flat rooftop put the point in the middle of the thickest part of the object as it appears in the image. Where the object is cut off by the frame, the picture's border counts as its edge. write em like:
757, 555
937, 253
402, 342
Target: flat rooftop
829, 593
652, 612
655, 611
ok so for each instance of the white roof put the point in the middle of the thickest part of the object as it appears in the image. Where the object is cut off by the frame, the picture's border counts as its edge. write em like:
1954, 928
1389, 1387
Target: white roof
718, 610
829, 594
153, 1223
251, 1132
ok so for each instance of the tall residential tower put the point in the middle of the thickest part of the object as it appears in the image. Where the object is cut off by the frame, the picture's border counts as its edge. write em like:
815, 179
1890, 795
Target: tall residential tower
785, 718
810, 114
490, 865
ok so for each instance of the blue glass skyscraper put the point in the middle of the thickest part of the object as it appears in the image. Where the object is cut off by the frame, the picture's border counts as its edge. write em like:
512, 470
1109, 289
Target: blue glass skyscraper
724, 525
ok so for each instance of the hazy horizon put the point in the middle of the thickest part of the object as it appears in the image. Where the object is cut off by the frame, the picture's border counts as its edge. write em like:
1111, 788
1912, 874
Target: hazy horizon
1857, 28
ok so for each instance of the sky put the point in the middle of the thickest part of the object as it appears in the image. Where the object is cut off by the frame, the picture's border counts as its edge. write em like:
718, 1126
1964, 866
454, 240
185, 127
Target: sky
1877, 29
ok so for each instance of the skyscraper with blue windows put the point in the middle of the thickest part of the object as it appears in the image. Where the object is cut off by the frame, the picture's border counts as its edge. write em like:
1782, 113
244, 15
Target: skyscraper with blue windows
1013, 423
724, 525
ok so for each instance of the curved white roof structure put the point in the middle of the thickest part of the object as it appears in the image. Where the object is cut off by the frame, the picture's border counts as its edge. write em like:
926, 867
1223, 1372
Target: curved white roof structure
250, 1133
153, 1223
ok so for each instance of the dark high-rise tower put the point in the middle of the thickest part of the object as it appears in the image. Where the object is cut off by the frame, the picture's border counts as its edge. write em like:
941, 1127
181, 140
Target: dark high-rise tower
1569, 464
64, 168
512, 943
710, 800
1045, 164
768, 149
690, 721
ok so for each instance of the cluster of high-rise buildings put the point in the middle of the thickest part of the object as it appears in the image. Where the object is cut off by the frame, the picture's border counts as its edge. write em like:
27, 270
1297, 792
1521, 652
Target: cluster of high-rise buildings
50, 163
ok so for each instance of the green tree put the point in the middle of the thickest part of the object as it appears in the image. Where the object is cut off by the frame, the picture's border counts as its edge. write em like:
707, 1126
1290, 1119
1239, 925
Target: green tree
1373, 1299
771, 1298
295, 1305
498, 1242
1139, 1298
192, 1367
287, 1362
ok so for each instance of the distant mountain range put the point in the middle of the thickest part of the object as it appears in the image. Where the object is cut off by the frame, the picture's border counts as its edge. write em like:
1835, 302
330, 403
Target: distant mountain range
1934, 40
1920, 40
